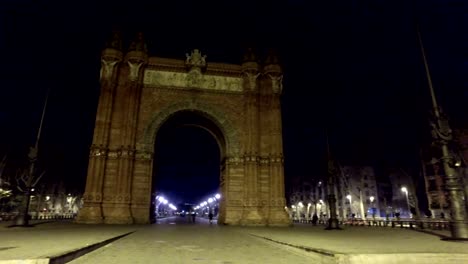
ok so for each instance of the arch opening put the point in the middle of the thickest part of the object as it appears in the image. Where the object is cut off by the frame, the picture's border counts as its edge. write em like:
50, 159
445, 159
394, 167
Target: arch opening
188, 151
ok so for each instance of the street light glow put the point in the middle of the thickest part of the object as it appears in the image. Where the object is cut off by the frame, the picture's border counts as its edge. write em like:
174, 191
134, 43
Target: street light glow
371, 199
217, 196
348, 197
210, 200
403, 189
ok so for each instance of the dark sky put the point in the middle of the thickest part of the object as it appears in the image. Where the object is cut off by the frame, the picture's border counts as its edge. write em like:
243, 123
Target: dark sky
353, 67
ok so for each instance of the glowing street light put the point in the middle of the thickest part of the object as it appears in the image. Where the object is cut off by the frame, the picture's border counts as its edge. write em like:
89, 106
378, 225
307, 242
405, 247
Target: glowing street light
349, 197
218, 196
210, 200
405, 190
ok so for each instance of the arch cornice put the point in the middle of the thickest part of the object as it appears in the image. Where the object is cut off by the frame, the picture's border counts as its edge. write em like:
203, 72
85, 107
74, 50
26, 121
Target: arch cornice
214, 114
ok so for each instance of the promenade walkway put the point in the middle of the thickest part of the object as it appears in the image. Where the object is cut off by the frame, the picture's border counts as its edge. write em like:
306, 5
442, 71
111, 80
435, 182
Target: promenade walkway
177, 240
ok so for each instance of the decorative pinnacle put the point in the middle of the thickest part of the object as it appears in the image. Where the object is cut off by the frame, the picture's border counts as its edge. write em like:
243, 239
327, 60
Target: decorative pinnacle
138, 44
115, 40
272, 57
249, 55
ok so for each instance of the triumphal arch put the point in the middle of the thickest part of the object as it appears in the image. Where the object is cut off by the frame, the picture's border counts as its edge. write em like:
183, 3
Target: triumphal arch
139, 93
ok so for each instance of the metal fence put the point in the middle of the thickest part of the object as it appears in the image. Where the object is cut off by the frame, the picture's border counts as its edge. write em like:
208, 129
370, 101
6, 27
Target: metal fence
401, 223
43, 216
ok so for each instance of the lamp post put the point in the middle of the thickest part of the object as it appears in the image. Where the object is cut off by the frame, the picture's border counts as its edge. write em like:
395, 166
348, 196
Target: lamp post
349, 197
372, 206
31, 181
442, 134
405, 190
331, 182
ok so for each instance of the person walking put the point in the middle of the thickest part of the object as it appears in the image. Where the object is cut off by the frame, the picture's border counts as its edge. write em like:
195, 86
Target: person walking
210, 216
194, 214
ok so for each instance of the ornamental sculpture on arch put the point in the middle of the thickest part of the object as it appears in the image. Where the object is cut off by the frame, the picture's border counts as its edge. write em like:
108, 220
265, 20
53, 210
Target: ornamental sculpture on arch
139, 93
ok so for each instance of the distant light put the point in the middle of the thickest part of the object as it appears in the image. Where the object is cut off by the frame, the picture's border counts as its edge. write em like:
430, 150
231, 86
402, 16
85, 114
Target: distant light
300, 204
371, 199
210, 200
457, 163
348, 197
293, 206
321, 201
217, 196
160, 198
47, 198
403, 189
32, 190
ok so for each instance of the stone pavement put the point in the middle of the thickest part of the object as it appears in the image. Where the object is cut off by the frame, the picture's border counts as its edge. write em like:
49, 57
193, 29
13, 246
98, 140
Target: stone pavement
47, 239
176, 240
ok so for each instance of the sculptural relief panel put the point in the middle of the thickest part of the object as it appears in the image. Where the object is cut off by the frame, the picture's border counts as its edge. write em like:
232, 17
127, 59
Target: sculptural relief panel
182, 80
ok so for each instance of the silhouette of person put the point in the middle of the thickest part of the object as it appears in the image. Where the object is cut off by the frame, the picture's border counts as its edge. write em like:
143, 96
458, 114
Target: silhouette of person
210, 216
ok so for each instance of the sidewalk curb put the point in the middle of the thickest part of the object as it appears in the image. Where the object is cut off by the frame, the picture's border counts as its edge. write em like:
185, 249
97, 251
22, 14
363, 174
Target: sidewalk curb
327, 256
66, 256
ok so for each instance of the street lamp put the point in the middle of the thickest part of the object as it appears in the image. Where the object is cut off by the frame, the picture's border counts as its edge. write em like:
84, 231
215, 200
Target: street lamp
372, 206
405, 190
31, 181
442, 133
331, 184
350, 204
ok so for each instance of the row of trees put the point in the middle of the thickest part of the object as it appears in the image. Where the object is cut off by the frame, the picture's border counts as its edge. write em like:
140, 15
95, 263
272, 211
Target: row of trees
44, 199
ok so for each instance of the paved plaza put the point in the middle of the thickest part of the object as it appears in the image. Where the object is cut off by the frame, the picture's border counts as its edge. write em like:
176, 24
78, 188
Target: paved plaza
178, 240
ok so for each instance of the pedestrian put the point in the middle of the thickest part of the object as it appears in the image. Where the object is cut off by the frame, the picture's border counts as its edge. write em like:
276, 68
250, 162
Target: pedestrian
210, 216
314, 219
193, 216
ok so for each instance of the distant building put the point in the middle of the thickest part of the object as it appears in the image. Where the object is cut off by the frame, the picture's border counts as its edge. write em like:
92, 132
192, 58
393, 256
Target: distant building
402, 201
308, 197
358, 192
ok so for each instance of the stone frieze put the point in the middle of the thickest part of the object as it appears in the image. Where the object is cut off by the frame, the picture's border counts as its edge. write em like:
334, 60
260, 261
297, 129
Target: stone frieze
182, 80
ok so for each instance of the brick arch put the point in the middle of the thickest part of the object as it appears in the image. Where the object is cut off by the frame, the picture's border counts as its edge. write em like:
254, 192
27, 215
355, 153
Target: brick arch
214, 114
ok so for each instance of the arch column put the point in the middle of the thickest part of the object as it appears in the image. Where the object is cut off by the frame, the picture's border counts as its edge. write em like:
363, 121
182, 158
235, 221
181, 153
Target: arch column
93, 196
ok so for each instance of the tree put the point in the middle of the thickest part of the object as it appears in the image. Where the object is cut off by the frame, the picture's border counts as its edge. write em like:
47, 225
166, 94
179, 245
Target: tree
26, 179
5, 187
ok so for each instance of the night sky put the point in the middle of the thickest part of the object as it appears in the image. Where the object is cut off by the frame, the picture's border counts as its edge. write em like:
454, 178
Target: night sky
353, 68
